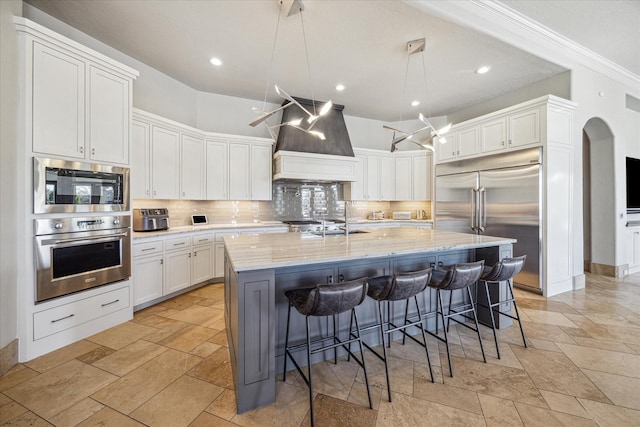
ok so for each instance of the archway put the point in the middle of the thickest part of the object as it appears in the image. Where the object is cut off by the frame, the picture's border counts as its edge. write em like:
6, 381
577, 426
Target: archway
598, 197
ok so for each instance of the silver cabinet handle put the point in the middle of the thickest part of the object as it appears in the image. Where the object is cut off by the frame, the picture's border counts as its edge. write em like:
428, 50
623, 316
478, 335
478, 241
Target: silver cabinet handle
81, 150
62, 318
161, 261
148, 249
178, 244
109, 303
93, 151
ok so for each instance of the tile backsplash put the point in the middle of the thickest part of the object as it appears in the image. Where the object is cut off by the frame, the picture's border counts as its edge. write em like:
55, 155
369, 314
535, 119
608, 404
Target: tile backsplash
291, 201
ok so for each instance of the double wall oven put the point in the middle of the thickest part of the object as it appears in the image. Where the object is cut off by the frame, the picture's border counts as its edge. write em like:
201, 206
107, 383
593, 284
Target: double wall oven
76, 250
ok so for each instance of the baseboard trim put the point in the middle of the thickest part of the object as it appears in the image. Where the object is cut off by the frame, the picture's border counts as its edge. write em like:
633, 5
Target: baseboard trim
8, 356
609, 270
579, 282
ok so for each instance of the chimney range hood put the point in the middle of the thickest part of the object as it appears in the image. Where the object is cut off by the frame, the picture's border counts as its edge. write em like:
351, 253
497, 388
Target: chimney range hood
303, 157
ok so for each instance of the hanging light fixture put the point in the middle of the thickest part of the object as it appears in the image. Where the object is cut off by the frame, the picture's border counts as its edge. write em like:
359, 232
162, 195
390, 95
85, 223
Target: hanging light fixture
292, 7
417, 46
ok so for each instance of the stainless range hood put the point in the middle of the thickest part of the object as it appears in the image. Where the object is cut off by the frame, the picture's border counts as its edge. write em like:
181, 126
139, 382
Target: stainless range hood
303, 157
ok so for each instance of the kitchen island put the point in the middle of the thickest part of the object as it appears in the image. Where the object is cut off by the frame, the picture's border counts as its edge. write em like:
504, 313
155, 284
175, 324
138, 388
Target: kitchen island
259, 268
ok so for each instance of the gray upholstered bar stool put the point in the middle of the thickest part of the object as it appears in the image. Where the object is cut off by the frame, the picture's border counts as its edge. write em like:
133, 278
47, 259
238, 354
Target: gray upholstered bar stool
503, 271
457, 277
326, 300
399, 287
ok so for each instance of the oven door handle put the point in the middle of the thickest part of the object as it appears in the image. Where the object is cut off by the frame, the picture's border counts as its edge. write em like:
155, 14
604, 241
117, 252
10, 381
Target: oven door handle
109, 238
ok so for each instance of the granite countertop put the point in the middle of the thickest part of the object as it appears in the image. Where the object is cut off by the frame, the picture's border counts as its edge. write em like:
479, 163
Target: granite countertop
206, 227
255, 252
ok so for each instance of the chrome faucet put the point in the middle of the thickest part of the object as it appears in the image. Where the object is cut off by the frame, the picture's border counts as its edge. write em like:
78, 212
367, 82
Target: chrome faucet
346, 218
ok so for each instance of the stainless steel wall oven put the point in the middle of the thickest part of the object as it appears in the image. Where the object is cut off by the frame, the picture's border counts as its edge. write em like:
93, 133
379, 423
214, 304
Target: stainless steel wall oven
68, 186
74, 254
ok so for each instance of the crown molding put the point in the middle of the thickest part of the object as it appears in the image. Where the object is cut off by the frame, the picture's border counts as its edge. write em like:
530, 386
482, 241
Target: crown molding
500, 21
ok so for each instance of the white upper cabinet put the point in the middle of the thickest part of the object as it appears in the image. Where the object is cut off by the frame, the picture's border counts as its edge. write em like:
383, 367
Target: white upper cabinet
174, 161
375, 176
493, 135
524, 128
108, 117
217, 161
58, 102
80, 100
165, 163
239, 171
464, 142
413, 176
192, 183
512, 128
261, 175
140, 160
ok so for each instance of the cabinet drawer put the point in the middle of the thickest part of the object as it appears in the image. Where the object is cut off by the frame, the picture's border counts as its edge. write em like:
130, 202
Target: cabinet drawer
147, 248
66, 316
202, 239
178, 243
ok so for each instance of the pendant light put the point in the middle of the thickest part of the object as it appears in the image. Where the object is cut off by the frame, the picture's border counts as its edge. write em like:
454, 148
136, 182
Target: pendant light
292, 7
417, 46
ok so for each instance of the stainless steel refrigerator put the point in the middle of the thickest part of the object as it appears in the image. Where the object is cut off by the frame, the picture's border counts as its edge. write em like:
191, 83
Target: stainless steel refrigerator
498, 195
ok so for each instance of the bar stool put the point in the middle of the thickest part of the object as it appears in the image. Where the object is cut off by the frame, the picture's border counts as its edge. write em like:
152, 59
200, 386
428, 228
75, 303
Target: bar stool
326, 300
457, 277
399, 287
503, 271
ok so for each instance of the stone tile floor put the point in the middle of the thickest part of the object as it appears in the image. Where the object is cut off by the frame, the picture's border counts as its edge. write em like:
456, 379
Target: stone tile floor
169, 366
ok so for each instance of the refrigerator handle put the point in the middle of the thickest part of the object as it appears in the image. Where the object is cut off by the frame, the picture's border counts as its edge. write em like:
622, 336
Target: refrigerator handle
482, 211
474, 209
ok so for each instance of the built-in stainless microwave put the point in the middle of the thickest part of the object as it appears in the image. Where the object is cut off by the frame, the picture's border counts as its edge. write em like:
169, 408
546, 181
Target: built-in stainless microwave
69, 186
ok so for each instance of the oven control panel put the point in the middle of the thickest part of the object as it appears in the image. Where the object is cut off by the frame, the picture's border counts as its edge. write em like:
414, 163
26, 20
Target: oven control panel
72, 225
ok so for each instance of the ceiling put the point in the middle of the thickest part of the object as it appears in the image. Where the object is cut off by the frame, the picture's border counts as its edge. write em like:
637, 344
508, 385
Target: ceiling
359, 44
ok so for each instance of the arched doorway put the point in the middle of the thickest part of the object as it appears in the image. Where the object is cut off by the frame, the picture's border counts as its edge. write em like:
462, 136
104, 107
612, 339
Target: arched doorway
598, 197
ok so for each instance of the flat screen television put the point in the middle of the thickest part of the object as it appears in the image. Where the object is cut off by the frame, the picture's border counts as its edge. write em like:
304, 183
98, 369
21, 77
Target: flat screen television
633, 185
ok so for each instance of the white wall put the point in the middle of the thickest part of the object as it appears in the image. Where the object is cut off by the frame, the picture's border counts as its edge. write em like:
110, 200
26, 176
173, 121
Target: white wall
8, 170
604, 98
559, 85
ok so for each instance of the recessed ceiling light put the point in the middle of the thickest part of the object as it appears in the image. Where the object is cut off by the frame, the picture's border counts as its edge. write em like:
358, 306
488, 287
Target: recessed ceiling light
483, 69
215, 61
415, 103
340, 87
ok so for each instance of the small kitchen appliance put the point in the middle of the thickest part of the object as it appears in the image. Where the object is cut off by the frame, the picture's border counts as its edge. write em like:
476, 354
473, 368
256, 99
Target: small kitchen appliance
150, 219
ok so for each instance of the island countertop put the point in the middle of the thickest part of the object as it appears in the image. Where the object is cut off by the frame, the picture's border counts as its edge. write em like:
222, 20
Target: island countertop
255, 252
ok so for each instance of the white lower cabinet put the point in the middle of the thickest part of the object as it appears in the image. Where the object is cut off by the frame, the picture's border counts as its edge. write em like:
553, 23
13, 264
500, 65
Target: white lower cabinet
633, 249
167, 265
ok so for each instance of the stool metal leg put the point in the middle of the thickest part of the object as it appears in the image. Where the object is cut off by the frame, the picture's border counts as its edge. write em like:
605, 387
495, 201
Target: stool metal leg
449, 309
364, 366
515, 306
475, 319
335, 334
493, 321
424, 336
286, 344
309, 369
384, 348
446, 338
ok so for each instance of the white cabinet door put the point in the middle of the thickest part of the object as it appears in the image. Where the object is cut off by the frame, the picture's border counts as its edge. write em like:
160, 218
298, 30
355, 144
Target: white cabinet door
422, 177
147, 276
58, 103
447, 151
404, 178
219, 260
203, 264
178, 270
140, 160
108, 117
165, 163
633, 248
239, 171
524, 128
372, 178
494, 135
355, 190
191, 168
261, 160
387, 188
217, 170
468, 142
